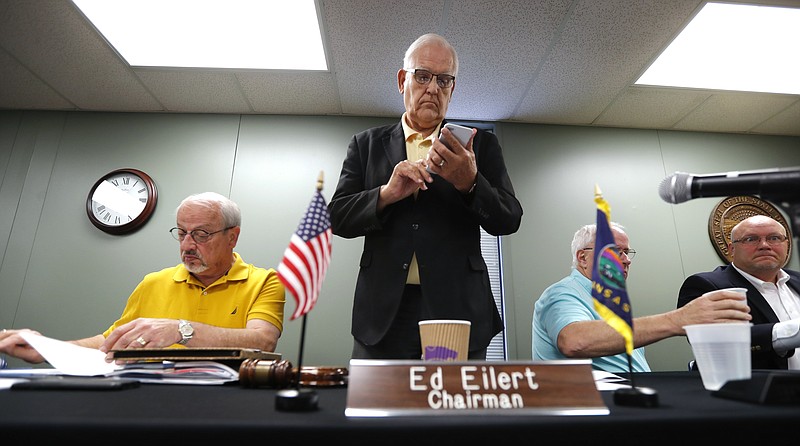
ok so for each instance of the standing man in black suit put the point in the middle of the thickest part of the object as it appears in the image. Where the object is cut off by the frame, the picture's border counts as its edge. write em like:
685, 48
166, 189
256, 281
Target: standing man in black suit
759, 248
419, 199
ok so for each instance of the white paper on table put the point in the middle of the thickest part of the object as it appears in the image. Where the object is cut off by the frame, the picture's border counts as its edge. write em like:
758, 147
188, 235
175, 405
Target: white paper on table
68, 358
608, 381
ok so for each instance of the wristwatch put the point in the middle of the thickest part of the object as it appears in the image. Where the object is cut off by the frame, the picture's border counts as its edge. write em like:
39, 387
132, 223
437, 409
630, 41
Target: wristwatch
186, 330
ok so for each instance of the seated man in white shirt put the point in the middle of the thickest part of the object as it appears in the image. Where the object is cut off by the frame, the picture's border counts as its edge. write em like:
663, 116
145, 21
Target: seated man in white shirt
759, 248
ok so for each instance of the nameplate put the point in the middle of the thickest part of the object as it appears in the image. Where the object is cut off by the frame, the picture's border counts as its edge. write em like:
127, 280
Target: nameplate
391, 388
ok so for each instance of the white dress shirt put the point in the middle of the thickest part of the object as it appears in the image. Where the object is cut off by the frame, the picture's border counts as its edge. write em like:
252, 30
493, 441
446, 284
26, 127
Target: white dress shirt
786, 305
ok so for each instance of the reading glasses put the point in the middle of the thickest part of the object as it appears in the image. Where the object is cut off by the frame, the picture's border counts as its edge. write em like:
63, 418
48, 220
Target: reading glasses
424, 77
199, 236
752, 240
630, 253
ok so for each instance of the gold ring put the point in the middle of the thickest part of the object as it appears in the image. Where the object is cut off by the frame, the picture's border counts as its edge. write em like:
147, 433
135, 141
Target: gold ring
141, 341
441, 164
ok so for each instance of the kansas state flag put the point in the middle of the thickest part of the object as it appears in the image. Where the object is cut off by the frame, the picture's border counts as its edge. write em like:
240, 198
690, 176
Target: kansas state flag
608, 278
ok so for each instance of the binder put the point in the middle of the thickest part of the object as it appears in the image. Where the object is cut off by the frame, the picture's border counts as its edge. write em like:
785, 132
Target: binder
231, 357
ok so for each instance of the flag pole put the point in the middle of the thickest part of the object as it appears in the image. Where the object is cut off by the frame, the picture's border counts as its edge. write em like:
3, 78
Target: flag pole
299, 399
320, 180
611, 301
300, 354
630, 371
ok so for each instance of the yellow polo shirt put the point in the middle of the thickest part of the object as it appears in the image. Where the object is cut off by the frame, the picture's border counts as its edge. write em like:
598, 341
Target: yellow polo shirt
246, 292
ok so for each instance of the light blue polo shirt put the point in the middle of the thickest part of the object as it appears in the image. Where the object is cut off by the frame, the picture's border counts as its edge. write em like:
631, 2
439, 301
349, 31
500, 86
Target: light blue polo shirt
562, 303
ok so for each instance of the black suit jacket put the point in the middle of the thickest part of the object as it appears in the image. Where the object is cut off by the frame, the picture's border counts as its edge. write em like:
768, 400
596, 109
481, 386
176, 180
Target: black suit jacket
763, 355
442, 226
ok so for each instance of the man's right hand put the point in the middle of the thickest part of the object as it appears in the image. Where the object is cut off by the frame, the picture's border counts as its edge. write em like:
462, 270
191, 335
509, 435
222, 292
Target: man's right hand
12, 344
407, 177
714, 306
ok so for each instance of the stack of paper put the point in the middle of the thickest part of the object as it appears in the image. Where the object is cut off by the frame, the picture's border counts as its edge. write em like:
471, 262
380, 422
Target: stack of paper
73, 360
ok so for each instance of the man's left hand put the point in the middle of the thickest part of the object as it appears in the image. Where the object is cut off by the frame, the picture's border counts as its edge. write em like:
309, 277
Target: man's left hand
452, 161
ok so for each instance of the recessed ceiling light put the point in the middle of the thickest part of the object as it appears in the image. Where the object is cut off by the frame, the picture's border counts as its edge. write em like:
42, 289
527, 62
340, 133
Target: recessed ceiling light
233, 34
733, 47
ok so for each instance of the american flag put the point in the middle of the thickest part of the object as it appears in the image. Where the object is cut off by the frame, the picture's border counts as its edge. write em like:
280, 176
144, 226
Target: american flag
307, 257
608, 278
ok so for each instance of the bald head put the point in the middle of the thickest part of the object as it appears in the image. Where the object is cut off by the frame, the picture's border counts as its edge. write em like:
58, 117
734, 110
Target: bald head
759, 246
756, 221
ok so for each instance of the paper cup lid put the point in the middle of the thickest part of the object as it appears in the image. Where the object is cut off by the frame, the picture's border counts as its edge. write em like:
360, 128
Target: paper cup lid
445, 321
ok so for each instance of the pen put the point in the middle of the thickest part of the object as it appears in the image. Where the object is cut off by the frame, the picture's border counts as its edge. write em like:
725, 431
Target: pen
150, 365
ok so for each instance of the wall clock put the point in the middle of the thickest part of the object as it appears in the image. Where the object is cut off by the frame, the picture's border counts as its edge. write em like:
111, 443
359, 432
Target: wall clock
121, 201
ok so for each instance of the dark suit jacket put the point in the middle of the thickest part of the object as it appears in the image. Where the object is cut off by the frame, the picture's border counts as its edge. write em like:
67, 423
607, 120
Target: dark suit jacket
441, 225
763, 356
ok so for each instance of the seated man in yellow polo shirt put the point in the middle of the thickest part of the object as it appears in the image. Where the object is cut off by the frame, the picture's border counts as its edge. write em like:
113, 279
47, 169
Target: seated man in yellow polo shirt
212, 299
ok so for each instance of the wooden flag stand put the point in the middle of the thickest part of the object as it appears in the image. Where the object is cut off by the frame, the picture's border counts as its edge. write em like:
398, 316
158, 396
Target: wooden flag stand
297, 399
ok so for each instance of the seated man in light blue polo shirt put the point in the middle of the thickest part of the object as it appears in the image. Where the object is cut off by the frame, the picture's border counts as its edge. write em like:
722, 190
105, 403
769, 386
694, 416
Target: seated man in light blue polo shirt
566, 325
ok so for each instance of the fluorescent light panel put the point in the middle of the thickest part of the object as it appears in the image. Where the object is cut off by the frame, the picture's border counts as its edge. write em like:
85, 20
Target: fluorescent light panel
733, 47
235, 34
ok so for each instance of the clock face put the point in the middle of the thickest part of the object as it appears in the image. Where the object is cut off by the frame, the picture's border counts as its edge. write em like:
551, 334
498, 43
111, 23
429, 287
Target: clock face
121, 201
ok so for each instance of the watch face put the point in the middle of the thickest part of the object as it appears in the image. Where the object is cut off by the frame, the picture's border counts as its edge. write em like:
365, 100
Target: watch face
186, 328
121, 201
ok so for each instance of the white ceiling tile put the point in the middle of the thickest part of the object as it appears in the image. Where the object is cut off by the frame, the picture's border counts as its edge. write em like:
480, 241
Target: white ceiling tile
544, 61
188, 90
29, 88
733, 112
785, 122
367, 41
290, 92
643, 107
53, 41
599, 51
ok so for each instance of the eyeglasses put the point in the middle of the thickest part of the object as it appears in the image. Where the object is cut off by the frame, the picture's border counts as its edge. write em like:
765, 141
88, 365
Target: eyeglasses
752, 240
198, 235
423, 77
630, 253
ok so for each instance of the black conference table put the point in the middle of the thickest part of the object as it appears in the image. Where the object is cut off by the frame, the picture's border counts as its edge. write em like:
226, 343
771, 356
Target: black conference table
233, 414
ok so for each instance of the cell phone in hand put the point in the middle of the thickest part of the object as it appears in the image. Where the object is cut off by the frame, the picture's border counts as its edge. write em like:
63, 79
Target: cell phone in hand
461, 133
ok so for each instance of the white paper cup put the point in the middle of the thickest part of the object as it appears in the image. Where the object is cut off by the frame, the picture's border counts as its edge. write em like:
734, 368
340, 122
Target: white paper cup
444, 339
722, 352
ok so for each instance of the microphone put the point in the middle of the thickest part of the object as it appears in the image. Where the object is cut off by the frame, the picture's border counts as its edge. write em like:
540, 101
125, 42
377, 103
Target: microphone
778, 184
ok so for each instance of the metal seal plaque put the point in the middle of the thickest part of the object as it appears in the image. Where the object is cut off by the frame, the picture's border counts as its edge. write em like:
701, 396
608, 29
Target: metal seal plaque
730, 211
